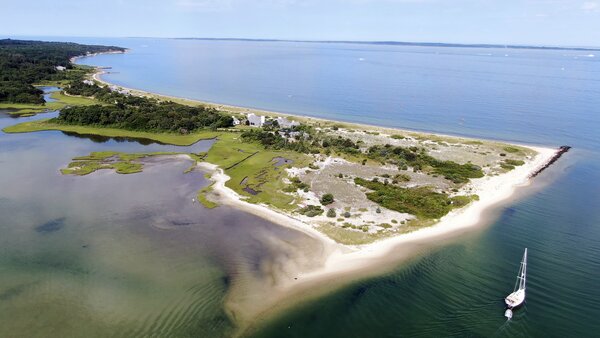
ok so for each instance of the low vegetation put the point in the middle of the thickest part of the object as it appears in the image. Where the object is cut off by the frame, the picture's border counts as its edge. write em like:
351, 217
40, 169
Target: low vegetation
311, 210
327, 199
122, 163
422, 202
331, 213
203, 197
510, 164
166, 138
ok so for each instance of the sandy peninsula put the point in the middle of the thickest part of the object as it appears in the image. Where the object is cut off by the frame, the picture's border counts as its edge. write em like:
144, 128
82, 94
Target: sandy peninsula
350, 261
344, 259
490, 189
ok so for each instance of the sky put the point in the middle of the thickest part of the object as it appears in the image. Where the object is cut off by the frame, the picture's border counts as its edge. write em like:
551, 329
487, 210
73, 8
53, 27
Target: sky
538, 22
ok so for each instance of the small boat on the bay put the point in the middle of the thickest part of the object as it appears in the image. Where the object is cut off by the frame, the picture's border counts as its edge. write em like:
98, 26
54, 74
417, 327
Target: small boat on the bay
517, 297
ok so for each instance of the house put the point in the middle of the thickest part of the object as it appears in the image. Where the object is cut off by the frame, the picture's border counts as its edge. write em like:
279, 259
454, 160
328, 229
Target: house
119, 90
88, 82
60, 68
285, 123
256, 120
236, 121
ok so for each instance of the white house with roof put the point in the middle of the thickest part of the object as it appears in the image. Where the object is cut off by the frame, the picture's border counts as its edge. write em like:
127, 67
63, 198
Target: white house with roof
61, 68
285, 123
256, 120
236, 121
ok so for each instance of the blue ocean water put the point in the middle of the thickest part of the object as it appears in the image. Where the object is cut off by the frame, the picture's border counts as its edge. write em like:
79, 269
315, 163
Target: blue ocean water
513, 94
546, 97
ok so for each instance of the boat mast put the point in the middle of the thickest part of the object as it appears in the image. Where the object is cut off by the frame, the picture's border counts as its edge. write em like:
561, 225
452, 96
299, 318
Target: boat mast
522, 275
524, 272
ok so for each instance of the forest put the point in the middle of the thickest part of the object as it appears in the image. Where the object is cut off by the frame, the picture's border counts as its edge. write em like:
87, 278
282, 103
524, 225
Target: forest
24, 62
138, 113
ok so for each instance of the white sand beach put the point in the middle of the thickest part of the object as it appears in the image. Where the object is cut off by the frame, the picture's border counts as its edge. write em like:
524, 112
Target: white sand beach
363, 260
343, 258
340, 259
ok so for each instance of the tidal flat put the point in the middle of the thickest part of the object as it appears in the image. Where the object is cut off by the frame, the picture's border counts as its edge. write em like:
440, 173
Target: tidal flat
123, 255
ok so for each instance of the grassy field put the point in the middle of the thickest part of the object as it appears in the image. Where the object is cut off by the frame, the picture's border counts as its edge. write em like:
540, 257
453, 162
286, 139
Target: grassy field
252, 164
202, 197
122, 163
24, 108
239, 159
167, 138
62, 101
66, 100
260, 174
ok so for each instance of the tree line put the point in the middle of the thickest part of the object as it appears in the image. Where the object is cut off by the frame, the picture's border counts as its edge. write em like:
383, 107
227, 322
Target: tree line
138, 113
24, 62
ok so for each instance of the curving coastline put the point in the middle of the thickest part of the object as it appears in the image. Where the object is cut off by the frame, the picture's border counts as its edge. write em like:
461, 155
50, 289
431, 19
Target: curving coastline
346, 260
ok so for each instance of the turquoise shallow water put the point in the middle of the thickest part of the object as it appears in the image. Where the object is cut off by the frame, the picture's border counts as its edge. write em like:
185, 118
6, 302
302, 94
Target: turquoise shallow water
456, 289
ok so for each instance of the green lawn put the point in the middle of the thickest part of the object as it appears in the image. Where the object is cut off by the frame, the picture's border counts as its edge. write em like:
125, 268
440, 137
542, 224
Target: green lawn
261, 175
230, 150
23, 108
167, 138
62, 101
65, 100
251, 161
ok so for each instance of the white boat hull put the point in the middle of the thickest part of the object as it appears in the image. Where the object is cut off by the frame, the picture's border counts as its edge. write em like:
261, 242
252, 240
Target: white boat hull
515, 299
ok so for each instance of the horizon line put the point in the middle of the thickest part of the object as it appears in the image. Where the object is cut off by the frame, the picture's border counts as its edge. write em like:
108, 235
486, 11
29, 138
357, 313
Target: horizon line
399, 43
363, 42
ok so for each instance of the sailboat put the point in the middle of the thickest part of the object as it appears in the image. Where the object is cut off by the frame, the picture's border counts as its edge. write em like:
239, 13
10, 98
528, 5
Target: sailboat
517, 297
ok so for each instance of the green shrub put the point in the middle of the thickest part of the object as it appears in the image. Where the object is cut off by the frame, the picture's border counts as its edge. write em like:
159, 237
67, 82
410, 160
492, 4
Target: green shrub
327, 199
422, 202
420, 160
511, 149
402, 177
514, 162
331, 213
311, 210
296, 184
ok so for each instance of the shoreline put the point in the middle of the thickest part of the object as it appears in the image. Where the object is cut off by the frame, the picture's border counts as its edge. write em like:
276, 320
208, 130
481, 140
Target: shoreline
223, 107
345, 260
491, 190
348, 260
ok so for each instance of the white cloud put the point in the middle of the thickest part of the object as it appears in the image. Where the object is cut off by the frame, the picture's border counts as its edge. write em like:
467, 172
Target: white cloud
590, 6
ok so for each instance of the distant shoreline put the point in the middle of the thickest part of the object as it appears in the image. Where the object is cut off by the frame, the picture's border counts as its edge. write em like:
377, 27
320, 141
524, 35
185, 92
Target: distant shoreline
404, 43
